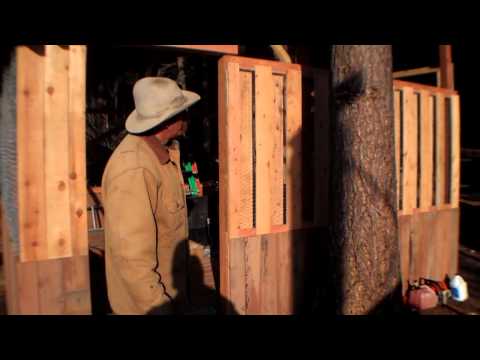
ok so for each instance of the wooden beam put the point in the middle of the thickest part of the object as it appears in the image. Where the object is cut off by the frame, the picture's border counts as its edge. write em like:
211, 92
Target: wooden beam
219, 49
447, 76
416, 72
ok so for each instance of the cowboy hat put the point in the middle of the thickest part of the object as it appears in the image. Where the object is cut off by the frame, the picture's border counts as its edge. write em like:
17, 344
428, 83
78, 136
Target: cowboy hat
157, 99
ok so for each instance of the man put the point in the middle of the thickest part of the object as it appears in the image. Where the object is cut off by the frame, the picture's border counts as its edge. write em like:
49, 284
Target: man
144, 203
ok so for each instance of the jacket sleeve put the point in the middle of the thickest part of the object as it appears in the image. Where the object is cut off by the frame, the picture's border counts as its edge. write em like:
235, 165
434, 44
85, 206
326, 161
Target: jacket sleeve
130, 209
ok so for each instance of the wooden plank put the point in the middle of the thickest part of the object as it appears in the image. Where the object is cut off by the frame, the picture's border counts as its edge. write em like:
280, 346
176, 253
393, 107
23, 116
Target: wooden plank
426, 151
76, 285
398, 145
57, 184
455, 151
30, 153
453, 268
245, 151
400, 84
441, 242
234, 147
294, 149
269, 275
285, 274
27, 288
77, 303
224, 188
221, 49
277, 165
51, 287
410, 154
404, 224
322, 148
253, 250
447, 75
264, 148
248, 64
440, 133
415, 72
77, 148
414, 249
237, 275
427, 257
76, 273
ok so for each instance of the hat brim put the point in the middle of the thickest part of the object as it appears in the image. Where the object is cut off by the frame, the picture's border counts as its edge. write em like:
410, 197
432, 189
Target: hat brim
135, 125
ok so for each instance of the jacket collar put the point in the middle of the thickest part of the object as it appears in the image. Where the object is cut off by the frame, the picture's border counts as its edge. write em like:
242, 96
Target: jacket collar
158, 148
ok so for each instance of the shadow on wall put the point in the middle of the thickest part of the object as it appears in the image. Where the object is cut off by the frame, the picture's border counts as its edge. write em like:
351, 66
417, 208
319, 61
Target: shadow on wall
182, 304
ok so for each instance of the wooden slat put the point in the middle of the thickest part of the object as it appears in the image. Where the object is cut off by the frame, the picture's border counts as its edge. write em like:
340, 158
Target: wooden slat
410, 154
237, 275
426, 258
27, 283
76, 285
245, 151
447, 74
321, 149
454, 242
294, 149
285, 274
51, 287
222, 49
253, 250
398, 145
404, 224
75, 273
277, 166
57, 184
455, 152
234, 147
269, 273
77, 148
264, 148
426, 152
30, 153
440, 173
400, 84
223, 167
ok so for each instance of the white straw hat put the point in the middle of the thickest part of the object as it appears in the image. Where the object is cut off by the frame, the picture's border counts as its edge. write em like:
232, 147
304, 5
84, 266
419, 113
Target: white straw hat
157, 99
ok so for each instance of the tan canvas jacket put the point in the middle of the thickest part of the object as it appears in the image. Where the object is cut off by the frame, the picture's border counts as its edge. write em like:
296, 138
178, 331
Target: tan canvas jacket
145, 226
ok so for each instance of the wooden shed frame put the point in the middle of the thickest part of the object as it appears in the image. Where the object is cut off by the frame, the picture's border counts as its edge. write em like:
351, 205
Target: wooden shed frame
49, 273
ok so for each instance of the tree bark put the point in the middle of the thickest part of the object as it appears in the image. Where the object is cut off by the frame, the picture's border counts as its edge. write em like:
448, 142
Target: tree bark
365, 249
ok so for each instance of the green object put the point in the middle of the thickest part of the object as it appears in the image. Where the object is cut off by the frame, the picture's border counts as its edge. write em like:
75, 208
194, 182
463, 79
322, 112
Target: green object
193, 185
187, 167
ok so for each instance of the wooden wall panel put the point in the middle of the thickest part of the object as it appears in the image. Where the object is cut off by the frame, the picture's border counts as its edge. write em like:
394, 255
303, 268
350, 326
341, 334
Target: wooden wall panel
426, 151
51, 151
77, 173
57, 185
440, 153
456, 151
429, 244
221, 49
50, 274
31, 153
410, 150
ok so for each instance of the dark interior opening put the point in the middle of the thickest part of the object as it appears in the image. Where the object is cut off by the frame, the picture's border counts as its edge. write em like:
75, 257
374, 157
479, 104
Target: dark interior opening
111, 75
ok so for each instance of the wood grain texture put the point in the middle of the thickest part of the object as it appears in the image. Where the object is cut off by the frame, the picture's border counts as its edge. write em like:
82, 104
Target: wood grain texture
57, 184
31, 154
77, 77
426, 151
410, 150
